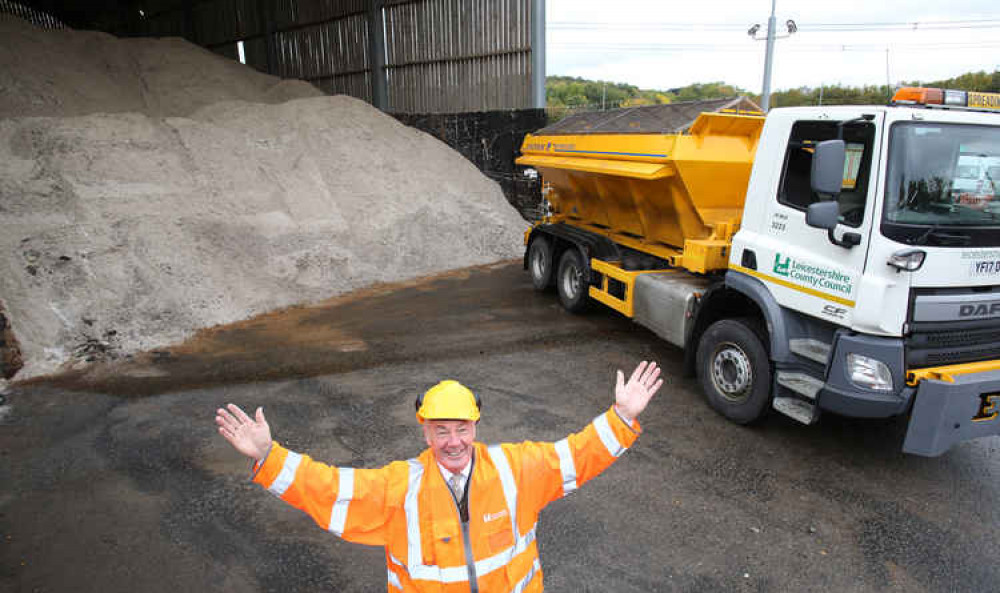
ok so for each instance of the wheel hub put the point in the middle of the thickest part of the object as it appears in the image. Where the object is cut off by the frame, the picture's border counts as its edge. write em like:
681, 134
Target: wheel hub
731, 372
571, 281
538, 263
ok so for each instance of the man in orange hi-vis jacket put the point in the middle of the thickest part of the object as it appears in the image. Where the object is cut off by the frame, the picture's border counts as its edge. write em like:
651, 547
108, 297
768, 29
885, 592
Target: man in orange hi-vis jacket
462, 516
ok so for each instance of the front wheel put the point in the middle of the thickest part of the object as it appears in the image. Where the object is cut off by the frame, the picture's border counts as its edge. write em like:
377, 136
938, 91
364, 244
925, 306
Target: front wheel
571, 282
734, 370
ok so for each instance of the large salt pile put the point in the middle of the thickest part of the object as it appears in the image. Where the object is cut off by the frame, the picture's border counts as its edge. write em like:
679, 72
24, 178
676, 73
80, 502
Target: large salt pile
196, 198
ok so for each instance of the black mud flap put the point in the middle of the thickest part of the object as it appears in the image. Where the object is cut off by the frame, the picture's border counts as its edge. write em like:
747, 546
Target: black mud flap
947, 413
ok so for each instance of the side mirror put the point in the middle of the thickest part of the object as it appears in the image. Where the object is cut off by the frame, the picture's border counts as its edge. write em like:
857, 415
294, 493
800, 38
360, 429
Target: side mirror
824, 215
827, 174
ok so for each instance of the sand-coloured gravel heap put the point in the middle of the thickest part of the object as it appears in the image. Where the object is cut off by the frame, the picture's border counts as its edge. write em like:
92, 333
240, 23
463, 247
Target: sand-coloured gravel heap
64, 73
199, 198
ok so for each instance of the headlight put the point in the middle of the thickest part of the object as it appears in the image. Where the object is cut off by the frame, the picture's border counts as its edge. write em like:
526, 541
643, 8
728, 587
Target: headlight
869, 373
907, 260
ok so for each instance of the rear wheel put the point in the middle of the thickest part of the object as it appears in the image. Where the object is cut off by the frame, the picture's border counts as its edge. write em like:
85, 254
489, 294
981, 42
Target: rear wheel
571, 282
734, 370
540, 263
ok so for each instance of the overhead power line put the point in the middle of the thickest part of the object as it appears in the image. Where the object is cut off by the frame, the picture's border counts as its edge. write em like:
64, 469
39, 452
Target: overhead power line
805, 27
898, 27
644, 26
735, 47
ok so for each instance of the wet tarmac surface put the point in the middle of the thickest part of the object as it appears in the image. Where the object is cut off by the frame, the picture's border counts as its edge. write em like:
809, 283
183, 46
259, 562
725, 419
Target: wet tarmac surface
114, 479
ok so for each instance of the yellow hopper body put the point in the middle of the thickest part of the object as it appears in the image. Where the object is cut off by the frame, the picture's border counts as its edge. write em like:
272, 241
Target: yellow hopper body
676, 196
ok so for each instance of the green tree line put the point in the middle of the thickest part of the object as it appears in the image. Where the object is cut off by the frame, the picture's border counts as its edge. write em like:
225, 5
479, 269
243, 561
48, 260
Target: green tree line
568, 93
875, 94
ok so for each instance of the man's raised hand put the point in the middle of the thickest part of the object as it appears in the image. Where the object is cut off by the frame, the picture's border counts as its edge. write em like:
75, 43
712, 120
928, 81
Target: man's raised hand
631, 398
251, 437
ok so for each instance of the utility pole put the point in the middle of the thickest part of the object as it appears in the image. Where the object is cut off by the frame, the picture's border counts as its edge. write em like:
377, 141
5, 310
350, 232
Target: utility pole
765, 95
888, 80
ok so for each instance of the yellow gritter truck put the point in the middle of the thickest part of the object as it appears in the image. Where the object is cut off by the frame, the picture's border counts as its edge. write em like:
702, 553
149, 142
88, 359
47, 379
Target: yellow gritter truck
816, 259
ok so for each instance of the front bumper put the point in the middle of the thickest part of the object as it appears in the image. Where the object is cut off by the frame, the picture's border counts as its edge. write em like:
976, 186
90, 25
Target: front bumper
841, 396
952, 409
946, 404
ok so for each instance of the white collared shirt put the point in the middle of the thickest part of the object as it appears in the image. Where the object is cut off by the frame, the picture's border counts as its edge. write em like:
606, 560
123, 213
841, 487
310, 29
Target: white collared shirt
446, 474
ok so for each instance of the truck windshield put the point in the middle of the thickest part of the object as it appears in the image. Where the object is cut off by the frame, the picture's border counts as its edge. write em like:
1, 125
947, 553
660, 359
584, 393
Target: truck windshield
943, 185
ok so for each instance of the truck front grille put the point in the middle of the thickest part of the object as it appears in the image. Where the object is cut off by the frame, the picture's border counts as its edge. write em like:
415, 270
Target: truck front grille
928, 347
952, 326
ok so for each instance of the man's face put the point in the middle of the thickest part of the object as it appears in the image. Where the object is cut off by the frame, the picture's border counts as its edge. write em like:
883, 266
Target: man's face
451, 441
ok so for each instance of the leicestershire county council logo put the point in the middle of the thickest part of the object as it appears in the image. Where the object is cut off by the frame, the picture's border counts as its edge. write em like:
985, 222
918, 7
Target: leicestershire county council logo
812, 275
781, 268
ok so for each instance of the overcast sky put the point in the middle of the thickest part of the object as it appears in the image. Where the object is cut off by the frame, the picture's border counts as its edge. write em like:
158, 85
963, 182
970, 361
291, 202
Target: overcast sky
663, 44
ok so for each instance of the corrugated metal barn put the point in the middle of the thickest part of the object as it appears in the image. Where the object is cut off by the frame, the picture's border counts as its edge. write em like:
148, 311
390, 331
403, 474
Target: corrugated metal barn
410, 56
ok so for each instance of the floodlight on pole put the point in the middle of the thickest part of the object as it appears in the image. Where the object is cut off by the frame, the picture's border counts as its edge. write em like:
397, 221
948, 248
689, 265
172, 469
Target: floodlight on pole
791, 27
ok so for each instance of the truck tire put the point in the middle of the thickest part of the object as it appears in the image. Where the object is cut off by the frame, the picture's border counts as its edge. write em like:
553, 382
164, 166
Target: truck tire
571, 282
734, 370
540, 264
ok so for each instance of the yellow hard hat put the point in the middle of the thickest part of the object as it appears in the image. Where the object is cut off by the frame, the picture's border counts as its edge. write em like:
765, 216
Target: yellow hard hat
448, 400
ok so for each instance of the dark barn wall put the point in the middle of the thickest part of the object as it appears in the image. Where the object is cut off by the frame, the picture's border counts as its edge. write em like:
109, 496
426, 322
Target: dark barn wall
35, 16
415, 56
433, 56
491, 140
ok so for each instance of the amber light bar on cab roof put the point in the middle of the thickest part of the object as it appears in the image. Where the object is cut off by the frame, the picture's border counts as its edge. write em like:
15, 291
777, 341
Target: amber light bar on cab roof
946, 98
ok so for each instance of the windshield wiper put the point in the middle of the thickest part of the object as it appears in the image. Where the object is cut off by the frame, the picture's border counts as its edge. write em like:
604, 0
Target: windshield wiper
940, 237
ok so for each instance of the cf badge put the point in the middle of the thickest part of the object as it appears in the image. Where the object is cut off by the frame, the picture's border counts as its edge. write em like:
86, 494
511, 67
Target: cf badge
987, 407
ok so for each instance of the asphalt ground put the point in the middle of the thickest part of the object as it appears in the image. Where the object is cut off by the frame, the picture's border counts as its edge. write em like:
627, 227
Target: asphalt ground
112, 477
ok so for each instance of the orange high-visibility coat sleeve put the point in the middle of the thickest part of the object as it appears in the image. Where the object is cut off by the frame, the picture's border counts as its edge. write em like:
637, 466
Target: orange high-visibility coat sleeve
547, 471
354, 504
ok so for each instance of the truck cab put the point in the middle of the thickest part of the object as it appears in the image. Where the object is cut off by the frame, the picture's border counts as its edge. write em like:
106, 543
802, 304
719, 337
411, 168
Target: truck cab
902, 295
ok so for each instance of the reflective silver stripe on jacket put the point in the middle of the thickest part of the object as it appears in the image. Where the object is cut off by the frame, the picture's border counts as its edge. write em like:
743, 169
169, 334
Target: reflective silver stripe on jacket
457, 574
414, 554
422, 572
345, 492
607, 435
394, 580
287, 474
501, 559
566, 466
536, 567
430, 572
507, 481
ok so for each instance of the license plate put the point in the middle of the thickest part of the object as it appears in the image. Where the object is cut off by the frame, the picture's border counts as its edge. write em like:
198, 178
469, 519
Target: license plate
989, 407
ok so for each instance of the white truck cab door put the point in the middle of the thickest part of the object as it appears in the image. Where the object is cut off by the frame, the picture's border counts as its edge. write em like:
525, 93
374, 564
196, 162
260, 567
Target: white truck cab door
802, 267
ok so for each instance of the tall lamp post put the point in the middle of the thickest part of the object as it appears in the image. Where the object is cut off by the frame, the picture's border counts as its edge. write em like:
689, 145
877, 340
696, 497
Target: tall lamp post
765, 96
